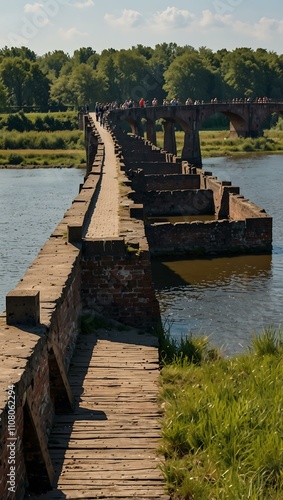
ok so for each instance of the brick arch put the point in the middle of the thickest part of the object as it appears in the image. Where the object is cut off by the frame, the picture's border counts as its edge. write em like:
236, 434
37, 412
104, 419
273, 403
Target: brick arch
238, 123
246, 120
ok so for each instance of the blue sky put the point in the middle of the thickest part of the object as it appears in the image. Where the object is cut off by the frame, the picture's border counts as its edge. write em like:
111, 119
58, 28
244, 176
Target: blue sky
47, 25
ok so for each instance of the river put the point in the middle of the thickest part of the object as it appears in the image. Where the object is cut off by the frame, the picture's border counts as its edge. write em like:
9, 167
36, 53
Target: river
32, 203
229, 299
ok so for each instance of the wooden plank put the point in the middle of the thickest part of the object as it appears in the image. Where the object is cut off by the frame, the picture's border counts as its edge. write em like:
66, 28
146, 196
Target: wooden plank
107, 447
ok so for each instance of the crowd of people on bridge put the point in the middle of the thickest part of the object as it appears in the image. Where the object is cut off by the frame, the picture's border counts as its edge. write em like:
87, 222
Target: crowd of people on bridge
101, 108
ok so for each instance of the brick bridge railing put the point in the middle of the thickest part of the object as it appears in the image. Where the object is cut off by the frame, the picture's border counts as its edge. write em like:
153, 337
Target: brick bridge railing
246, 120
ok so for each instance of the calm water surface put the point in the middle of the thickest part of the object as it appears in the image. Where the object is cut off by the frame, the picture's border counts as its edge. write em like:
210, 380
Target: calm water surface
230, 298
32, 203
226, 298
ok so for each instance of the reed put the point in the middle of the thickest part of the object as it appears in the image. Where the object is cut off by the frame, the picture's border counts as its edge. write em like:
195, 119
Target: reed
222, 425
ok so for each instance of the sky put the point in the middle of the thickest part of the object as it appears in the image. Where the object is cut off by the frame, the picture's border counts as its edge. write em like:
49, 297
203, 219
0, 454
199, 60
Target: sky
48, 25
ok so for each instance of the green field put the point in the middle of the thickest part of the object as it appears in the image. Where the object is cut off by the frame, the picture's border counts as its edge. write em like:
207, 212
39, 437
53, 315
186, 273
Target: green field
37, 139
218, 143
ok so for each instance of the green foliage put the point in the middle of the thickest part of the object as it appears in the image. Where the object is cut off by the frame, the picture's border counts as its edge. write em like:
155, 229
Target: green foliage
218, 143
15, 159
222, 425
18, 121
167, 70
42, 140
187, 77
43, 158
49, 122
188, 349
270, 342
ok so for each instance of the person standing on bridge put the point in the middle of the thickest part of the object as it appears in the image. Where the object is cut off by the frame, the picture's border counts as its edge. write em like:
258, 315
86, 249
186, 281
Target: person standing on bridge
97, 111
142, 102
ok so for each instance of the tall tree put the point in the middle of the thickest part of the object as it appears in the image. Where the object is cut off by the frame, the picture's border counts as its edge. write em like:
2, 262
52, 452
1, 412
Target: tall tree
108, 72
82, 86
187, 77
26, 85
131, 71
82, 55
22, 52
3, 96
52, 62
242, 72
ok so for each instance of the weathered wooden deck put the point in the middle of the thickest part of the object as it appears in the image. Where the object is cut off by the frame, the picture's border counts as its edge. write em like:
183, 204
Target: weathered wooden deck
107, 447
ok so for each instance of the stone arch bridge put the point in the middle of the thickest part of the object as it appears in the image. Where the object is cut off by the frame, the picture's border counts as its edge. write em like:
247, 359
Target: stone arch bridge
246, 120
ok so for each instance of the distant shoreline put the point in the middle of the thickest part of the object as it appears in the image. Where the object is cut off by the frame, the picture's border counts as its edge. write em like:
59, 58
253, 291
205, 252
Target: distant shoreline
31, 167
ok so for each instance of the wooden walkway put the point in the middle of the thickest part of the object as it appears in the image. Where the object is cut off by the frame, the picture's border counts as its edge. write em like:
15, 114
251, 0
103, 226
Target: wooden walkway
107, 448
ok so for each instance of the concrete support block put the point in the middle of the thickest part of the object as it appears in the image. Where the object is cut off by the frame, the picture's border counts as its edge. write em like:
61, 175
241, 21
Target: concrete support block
23, 307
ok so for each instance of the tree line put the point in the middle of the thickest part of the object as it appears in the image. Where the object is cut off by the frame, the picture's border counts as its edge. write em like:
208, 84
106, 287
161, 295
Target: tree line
58, 81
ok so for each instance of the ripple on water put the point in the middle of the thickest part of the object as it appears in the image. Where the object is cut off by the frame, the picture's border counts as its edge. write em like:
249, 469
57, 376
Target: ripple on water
230, 299
32, 202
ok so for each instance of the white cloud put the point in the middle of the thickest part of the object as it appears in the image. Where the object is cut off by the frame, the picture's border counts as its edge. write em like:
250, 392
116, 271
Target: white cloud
128, 19
83, 5
31, 8
71, 33
173, 18
210, 20
264, 29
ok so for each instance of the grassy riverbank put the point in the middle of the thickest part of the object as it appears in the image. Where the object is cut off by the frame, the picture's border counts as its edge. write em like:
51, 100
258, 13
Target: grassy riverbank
41, 140
32, 158
222, 428
218, 143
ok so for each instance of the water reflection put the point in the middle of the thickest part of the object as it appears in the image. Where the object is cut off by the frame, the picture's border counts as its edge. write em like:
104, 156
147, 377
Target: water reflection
211, 272
230, 298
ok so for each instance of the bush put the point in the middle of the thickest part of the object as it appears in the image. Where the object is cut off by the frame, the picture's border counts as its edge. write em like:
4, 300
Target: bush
40, 122
19, 122
15, 159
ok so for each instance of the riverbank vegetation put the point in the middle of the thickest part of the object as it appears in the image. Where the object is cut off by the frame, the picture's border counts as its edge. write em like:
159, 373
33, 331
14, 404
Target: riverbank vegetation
222, 425
218, 143
41, 139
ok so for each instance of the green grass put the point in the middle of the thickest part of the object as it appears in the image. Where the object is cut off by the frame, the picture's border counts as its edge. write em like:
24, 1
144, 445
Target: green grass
218, 143
42, 158
42, 140
222, 428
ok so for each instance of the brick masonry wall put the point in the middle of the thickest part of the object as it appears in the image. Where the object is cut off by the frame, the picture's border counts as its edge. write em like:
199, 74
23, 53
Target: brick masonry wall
174, 182
25, 363
209, 238
185, 202
25, 349
153, 167
116, 282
